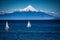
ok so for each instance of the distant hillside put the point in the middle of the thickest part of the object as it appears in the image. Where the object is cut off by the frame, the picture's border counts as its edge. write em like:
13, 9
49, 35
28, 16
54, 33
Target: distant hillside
29, 15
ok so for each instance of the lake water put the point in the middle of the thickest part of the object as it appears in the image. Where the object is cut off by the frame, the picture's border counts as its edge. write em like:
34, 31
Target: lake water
39, 30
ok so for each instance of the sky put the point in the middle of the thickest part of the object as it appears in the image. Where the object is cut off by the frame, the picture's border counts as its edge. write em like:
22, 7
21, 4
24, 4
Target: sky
47, 5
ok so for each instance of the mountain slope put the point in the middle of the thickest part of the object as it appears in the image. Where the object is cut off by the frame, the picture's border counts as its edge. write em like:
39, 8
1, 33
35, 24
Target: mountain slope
26, 16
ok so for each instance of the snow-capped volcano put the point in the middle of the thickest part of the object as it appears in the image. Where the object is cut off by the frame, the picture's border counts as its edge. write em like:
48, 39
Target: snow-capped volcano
29, 8
26, 9
27, 13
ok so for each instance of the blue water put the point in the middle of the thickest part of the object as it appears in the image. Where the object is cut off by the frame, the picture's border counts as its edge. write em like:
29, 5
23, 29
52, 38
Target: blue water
40, 30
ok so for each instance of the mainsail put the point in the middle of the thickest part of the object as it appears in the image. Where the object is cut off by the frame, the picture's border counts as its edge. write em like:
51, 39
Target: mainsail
28, 25
7, 26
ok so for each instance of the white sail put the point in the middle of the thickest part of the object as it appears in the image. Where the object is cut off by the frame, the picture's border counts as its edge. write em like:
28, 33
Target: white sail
7, 26
28, 25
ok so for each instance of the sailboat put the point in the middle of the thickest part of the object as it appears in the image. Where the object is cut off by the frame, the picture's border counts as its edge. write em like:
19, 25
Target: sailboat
28, 25
7, 26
